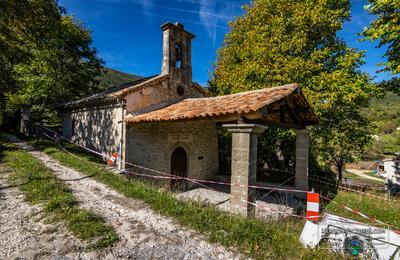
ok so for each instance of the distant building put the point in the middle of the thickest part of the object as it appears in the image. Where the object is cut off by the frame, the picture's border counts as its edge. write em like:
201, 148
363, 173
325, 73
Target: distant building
391, 172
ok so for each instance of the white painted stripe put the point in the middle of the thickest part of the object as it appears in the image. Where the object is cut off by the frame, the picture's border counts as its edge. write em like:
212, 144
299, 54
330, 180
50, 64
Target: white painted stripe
312, 206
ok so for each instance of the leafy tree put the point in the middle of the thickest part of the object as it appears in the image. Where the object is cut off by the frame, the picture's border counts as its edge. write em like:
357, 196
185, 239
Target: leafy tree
392, 84
57, 59
386, 29
340, 136
23, 25
384, 112
279, 42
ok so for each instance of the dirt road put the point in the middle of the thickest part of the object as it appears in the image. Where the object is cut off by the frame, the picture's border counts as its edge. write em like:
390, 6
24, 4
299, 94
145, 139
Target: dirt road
143, 233
363, 175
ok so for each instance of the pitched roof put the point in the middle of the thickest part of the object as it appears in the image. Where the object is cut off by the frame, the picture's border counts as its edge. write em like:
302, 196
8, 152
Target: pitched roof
235, 104
111, 94
106, 94
154, 80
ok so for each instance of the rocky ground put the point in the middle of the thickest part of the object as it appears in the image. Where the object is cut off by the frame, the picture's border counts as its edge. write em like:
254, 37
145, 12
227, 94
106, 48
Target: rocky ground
268, 207
25, 233
143, 233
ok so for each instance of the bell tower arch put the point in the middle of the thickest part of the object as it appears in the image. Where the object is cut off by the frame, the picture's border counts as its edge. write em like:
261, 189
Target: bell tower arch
177, 49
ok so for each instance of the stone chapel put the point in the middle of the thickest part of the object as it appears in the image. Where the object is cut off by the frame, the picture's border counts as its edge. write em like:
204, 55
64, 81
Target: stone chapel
167, 123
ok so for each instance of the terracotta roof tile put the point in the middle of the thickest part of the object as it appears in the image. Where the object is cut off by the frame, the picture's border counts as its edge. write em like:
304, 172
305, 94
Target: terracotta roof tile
197, 108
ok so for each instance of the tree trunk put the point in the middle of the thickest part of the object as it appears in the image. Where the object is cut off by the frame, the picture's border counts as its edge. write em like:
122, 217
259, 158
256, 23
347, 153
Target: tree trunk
339, 166
340, 174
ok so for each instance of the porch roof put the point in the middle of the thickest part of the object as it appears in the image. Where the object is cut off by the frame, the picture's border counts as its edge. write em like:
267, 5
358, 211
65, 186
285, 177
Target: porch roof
283, 106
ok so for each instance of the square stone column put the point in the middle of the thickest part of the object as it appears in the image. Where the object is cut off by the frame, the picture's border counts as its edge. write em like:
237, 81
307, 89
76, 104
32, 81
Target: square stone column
25, 125
302, 157
244, 166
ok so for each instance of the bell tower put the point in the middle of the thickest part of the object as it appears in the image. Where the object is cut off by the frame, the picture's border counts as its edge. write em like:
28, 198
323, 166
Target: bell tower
177, 59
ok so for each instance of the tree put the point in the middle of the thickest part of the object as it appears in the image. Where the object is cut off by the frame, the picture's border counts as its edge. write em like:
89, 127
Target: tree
392, 84
341, 136
23, 25
58, 61
386, 29
279, 42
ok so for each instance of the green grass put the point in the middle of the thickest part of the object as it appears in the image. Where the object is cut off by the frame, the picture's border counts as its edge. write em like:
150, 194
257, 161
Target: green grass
254, 237
381, 209
370, 173
40, 186
360, 180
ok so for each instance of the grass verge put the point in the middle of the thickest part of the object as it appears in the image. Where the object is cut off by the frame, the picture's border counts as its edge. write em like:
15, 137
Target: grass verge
381, 209
40, 186
360, 180
253, 237
372, 174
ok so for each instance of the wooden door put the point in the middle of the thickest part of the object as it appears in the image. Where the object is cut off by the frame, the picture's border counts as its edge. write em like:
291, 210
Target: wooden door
179, 168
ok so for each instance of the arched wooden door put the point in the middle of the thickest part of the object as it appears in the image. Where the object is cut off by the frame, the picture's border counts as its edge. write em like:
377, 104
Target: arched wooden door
179, 168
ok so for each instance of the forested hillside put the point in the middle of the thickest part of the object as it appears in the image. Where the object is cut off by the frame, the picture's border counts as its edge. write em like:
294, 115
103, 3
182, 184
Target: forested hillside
110, 77
385, 113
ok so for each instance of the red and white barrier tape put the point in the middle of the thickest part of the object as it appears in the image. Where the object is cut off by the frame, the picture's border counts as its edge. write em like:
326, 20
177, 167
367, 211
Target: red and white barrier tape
363, 215
254, 204
277, 187
185, 178
65, 150
261, 206
178, 177
170, 176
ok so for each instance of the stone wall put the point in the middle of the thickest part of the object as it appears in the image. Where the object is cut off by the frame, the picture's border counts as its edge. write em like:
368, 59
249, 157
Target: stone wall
151, 145
302, 159
164, 92
95, 127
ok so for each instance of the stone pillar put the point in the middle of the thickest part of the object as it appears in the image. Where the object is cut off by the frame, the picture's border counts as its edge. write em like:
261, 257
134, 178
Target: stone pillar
244, 166
25, 126
122, 143
302, 156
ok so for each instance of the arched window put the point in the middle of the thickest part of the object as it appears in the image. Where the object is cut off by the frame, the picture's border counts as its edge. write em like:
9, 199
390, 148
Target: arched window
178, 55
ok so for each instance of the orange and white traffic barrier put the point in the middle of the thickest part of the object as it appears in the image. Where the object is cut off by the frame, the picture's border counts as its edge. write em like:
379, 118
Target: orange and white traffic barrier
113, 159
312, 206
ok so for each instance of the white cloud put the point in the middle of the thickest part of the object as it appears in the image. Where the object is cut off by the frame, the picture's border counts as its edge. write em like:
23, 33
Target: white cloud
212, 14
147, 5
210, 22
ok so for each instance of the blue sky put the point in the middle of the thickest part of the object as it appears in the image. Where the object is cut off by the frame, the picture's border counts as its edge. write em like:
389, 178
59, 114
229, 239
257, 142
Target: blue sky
128, 37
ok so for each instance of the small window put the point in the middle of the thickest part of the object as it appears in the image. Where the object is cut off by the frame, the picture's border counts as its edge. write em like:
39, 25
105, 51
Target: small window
178, 54
180, 90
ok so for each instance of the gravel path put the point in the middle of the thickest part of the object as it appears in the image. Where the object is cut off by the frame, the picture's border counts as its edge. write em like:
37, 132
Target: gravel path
363, 175
143, 233
24, 232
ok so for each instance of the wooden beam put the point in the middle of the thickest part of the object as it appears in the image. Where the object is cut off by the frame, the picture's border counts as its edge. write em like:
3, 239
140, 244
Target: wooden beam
302, 109
278, 125
291, 111
282, 113
297, 110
